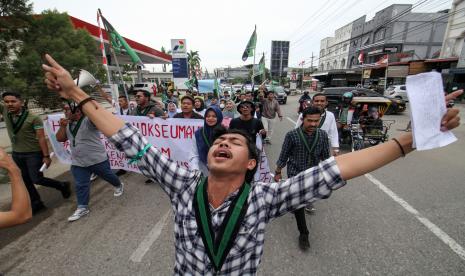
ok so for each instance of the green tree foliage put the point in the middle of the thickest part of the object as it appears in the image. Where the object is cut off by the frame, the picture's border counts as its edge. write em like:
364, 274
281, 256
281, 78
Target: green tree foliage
52, 33
14, 19
193, 61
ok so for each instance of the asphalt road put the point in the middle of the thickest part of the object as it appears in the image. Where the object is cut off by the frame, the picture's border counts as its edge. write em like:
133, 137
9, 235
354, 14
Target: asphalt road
407, 218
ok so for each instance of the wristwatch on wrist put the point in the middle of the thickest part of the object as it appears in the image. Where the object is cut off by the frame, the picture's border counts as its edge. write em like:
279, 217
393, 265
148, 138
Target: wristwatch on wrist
46, 156
276, 172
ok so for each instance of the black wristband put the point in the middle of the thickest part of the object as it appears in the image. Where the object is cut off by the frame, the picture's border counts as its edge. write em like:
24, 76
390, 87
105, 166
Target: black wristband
277, 173
46, 156
400, 146
83, 102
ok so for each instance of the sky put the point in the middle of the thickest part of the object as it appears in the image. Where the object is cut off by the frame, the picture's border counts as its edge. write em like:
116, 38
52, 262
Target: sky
220, 29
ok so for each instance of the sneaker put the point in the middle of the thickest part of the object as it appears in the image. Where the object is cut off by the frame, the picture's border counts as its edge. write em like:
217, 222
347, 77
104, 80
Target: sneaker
119, 190
310, 208
93, 177
79, 213
304, 243
66, 189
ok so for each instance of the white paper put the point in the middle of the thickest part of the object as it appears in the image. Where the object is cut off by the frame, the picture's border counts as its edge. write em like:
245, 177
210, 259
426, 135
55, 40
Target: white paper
428, 106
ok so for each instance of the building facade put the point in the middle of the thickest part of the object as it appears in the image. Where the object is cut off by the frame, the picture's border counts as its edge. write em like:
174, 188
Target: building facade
395, 30
334, 51
454, 37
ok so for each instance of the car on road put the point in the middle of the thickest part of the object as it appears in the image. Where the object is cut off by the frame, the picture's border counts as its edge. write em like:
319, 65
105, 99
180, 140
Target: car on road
147, 86
334, 96
397, 91
279, 92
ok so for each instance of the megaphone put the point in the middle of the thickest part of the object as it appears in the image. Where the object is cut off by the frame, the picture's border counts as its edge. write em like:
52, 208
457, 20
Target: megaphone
84, 79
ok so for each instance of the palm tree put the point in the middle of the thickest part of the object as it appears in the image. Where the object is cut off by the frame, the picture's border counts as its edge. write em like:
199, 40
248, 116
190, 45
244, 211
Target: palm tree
193, 61
163, 50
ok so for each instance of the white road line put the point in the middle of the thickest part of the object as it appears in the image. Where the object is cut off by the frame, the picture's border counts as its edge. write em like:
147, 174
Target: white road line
291, 120
153, 235
443, 236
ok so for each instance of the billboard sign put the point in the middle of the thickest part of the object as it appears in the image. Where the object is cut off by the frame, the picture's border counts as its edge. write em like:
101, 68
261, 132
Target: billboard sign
178, 48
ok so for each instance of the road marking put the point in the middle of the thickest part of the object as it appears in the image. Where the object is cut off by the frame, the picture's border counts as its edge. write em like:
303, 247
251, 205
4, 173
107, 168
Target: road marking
152, 236
291, 120
443, 236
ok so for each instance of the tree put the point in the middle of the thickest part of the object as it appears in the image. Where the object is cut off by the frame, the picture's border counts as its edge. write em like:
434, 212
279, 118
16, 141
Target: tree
193, 61
52, 33
165, 52
14, 18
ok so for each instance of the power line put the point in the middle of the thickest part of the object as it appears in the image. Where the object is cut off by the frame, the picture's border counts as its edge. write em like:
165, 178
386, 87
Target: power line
317, 12
418, 27
394, 35
415, 5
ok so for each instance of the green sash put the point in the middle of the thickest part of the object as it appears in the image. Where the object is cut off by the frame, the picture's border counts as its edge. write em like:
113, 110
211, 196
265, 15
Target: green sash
74, 130
205, 138
322, 120
18, 124
144, 112
315, 140
218, 247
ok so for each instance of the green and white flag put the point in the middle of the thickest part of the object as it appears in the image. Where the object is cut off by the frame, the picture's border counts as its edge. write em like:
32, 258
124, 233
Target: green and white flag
117, 42
250, 49
261, 65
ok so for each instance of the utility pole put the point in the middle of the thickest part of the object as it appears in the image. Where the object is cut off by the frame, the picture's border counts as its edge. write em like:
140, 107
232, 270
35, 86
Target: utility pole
280, 65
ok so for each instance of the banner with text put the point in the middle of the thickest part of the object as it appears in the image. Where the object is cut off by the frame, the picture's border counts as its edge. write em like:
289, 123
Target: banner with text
173, 137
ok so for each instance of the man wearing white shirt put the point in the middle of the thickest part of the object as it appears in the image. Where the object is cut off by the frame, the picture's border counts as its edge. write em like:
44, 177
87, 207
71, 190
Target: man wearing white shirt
327, 122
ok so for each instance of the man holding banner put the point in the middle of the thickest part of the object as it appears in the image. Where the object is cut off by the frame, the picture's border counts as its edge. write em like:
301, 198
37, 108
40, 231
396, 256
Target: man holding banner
220, 220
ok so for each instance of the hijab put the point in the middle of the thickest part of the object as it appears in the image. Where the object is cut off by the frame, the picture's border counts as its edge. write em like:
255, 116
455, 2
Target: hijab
204, 135
172, 113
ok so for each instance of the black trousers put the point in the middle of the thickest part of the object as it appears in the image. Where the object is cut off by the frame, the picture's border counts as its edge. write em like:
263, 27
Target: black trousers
301, 222
29, 163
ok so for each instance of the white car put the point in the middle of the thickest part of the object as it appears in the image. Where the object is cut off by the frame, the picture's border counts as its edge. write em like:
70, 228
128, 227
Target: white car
397, 91
147, 86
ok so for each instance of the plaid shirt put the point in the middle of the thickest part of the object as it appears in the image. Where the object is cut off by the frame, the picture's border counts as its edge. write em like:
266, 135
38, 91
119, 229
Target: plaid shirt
266, 201
295, 154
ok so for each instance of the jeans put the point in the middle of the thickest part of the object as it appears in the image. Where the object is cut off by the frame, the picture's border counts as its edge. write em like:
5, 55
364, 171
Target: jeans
301, 222
82, 180
29, 163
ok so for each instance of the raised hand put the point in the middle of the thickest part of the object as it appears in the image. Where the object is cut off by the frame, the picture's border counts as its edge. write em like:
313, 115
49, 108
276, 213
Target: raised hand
58, 79
451, 119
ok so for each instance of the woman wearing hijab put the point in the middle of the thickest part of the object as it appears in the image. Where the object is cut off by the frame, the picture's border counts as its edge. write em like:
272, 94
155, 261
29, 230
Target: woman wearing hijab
230, 110
172, 109
199, 105
203, 139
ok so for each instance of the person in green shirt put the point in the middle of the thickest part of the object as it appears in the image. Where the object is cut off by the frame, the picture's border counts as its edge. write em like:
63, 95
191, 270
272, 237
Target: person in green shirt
30, 149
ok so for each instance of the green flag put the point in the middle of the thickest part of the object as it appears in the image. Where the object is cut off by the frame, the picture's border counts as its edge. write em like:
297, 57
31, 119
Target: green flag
250, 48
216, 90
117, 42
261, 65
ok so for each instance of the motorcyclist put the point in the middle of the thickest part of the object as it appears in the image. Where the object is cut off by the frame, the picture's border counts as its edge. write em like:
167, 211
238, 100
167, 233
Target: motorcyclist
344, 108
303, 100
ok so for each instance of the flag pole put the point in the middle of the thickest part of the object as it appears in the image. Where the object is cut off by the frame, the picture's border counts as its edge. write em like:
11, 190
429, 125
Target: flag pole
253, 65
102, 47
117, 64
